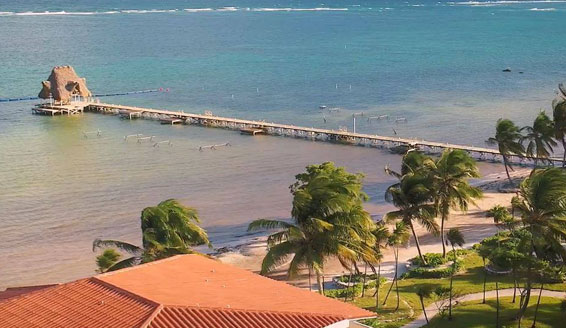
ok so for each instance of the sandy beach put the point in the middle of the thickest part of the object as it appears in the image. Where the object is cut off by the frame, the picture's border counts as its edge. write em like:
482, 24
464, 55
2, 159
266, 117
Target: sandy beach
474, 225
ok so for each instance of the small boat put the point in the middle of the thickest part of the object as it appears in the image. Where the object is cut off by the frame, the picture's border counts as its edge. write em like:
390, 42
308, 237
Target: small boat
322, 107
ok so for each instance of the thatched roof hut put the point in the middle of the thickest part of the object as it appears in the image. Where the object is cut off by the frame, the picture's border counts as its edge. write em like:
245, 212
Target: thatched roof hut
62, 84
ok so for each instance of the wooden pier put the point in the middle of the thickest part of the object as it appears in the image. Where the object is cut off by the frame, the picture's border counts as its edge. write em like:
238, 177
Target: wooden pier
254, 127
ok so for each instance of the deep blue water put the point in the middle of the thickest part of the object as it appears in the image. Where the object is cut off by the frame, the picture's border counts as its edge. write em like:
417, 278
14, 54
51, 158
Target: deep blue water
425, 60
439, 64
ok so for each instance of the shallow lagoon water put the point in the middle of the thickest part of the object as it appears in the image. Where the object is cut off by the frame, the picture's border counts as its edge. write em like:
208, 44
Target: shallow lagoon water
436, 63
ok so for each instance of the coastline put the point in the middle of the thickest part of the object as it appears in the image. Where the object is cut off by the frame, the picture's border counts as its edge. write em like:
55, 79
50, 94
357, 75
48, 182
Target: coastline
474, 225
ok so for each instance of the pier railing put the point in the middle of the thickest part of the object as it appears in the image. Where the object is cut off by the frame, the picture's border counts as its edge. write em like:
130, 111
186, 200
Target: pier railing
272, 128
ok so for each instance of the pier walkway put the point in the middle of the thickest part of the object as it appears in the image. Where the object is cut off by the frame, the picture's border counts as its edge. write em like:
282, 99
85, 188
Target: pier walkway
210, 120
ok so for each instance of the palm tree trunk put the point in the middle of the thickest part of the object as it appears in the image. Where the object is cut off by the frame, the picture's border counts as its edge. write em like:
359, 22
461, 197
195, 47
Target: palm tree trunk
377, 286
424, 310
497, 297
451, 281
514, 286
505, 163
389, 291
365, 275
348, 287
310, 283
526, 300
356, 270
564, 155
484, 279
538, 303
319, 283
443, 218
423, 261
396, 280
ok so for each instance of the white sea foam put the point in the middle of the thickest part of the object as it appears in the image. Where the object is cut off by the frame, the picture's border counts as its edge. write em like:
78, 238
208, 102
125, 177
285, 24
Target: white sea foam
504, 2
55, 13
300, 9
150, 11
143, 11
197, 10
227, 9
272, 9
542, 9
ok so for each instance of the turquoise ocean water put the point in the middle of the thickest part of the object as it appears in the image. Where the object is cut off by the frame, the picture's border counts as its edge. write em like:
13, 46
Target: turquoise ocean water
437, 63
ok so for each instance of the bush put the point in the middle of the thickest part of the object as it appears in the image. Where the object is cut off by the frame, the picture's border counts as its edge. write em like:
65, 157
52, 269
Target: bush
423, 272
459, 252
357, 278
355, 291
349, 292
433, 260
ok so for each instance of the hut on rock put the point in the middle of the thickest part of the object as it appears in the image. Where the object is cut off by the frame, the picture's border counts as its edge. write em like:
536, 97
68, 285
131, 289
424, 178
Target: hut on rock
63, 84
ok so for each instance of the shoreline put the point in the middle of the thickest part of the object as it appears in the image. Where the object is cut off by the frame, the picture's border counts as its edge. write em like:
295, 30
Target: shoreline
474, 225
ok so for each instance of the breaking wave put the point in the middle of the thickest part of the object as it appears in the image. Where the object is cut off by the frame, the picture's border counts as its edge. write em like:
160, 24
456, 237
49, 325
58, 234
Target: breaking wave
151, 11
504, 2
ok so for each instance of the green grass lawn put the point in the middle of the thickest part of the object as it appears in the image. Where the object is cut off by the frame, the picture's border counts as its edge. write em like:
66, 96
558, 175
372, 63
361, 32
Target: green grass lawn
477, 315
469, 280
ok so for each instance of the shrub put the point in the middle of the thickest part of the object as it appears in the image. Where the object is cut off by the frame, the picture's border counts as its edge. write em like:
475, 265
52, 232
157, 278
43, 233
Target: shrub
357, 278
353, 292
345, 292
459, 252
423, 272
433, 260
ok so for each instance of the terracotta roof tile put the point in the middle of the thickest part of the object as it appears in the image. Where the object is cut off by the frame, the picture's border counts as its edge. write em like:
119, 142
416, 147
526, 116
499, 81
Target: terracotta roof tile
197, 281
188, 291
181, 317
16, 291
83, 303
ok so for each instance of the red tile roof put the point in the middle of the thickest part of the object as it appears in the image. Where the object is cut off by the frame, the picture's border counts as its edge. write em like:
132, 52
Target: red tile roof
182, 291
16, 291
174, 316
83, 303
197, 281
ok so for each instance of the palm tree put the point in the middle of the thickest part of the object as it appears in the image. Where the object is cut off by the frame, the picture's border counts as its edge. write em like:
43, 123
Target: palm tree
497, 304
381, 234
484, 252
538, 303
540, 138
328, 219
541, 203
412, 196
424, 291
399, 237
454, 237
168, 229
450, 183
508, 140
559, 118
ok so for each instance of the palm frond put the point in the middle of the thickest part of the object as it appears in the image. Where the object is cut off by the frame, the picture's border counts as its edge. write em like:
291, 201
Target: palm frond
126, 263
127, 247
268, 224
